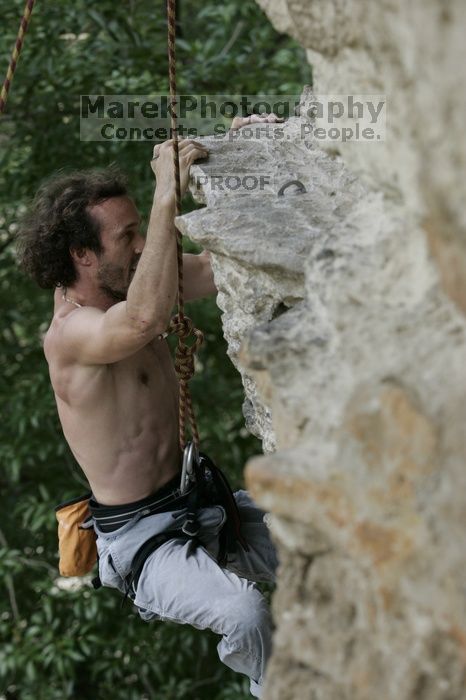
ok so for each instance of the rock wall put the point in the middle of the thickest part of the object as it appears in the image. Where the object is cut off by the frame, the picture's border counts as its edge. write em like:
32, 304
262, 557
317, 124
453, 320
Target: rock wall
344, 310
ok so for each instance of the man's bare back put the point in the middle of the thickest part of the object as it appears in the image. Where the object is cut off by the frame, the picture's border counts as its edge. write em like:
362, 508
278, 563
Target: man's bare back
120, 420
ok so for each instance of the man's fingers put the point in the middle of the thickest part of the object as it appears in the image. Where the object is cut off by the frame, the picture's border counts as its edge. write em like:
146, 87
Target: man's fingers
187, 147
193, 152
182, 145
262, 118
188, 143
272, 117
189, 152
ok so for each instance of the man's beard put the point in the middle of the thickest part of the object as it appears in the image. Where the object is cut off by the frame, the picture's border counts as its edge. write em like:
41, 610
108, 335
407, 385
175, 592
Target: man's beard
113, 281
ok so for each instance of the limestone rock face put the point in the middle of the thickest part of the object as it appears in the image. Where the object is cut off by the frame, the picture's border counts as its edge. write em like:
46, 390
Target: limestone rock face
344, 307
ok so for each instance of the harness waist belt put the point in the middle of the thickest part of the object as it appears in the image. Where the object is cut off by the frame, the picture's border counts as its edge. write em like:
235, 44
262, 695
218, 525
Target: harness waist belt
110, 518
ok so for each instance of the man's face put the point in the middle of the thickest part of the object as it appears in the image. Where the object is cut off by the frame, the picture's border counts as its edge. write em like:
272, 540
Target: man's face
122, 244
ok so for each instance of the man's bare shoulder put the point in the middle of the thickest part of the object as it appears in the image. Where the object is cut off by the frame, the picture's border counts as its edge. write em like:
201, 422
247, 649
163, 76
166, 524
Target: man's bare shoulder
65, 325
73, 382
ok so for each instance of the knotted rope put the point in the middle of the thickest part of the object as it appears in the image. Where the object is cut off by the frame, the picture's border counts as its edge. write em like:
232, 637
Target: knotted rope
180, 325
23, 27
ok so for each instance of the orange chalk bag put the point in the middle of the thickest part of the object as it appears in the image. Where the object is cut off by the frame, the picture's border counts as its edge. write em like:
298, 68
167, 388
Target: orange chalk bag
77, 546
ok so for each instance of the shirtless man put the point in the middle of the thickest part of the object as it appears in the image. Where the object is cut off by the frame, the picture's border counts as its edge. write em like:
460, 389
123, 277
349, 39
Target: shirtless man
113, 377
117, 398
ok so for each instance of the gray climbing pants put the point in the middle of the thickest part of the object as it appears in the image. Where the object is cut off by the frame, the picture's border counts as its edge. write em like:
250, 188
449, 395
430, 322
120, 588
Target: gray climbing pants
184, 584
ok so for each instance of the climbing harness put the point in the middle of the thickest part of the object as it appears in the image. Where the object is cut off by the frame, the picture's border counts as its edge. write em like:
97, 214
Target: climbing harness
23, 27
111, 518
210, 488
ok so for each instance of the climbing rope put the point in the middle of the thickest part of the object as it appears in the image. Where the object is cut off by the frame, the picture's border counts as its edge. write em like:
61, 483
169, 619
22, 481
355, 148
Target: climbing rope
180, 325
23, 27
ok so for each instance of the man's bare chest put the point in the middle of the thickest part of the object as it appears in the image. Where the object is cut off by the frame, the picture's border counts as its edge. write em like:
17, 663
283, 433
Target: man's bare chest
151, 367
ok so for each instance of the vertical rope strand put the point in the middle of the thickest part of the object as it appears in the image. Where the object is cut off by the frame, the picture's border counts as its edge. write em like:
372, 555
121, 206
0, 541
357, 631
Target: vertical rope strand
23, 27
180, 324
171, 12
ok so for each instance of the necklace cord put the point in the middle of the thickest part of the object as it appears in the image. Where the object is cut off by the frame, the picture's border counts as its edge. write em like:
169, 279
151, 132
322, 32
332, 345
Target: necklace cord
70, 301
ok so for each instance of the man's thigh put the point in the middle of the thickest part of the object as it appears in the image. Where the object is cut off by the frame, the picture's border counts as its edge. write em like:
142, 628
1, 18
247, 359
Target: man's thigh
184, 584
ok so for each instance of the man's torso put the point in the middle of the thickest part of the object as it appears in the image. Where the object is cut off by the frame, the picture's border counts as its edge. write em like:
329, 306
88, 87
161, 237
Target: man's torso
120, 420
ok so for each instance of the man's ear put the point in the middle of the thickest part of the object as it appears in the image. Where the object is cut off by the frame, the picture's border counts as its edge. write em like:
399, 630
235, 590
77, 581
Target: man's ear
81, 256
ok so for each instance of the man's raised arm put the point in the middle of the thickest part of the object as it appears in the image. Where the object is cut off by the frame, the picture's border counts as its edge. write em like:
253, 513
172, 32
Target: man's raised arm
93, 336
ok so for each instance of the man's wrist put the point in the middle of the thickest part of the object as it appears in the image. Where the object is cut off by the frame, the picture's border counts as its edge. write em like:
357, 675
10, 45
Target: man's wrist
164, 200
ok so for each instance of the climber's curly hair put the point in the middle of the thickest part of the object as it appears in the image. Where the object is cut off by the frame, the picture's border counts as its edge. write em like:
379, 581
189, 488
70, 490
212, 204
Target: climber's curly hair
58, 221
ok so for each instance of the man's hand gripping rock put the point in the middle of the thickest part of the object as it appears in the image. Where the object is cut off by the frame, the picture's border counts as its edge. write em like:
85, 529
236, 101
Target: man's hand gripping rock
163, 166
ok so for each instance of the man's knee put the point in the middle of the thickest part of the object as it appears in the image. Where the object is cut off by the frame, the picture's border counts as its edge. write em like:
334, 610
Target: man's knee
252, 612
247, 644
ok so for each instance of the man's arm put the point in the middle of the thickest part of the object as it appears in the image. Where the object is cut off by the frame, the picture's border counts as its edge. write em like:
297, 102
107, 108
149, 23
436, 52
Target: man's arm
92, 336
198, 276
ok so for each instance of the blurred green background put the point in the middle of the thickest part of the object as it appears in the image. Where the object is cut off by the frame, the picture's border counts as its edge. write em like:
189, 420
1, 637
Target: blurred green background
81, 644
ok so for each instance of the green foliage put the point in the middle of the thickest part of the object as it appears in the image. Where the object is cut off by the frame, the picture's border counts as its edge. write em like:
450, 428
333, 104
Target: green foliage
57, 643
